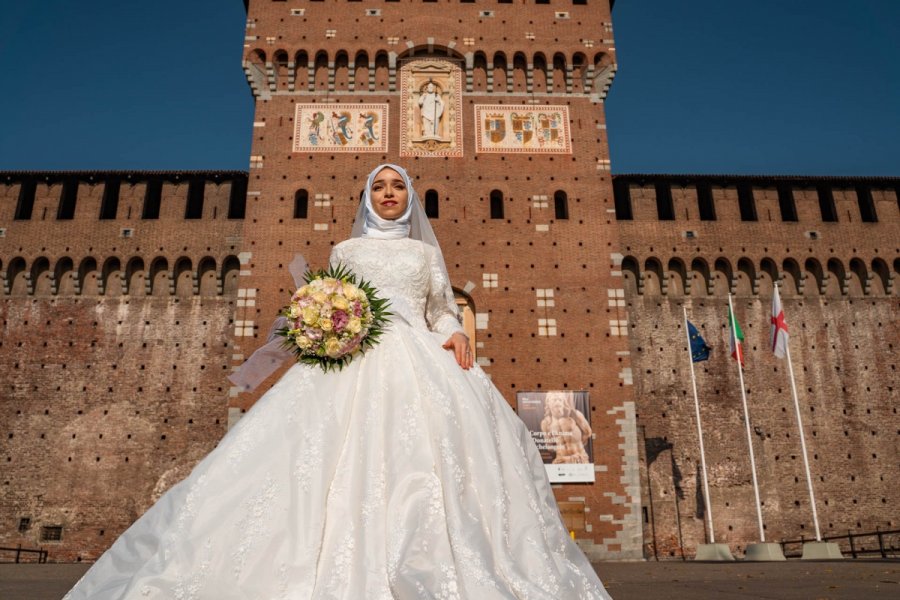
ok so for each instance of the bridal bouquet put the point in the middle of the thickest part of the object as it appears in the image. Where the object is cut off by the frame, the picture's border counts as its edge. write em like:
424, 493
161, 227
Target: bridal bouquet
332, 318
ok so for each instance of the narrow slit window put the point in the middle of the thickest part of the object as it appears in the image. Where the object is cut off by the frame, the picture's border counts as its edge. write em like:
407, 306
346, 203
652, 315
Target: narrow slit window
25, 205
826, 204
705, 202
496, 204
109, 205
431, 204
237, 199
665, 207
194, 207
746, 203
786, 203
561, 205
622, 196
301, 204
152, 199
866, 204
67, 200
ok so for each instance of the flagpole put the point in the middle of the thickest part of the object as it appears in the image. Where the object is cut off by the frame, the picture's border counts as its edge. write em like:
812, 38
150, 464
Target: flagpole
740, 351
812, 496
709, 520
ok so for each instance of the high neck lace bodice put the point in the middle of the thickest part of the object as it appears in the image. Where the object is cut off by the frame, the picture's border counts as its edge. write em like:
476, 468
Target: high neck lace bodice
406, 272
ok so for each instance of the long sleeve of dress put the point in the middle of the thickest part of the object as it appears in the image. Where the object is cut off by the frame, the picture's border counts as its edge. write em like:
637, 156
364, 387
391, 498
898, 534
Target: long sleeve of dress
441, 315
336, 256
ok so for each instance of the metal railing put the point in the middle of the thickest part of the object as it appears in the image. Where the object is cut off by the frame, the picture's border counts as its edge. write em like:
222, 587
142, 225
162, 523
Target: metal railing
19, 550
885, 544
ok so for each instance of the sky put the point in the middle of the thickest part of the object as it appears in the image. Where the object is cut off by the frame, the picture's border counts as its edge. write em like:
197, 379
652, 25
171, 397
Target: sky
808, 87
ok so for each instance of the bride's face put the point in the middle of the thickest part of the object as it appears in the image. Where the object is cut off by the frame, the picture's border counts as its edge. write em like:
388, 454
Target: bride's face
389, 194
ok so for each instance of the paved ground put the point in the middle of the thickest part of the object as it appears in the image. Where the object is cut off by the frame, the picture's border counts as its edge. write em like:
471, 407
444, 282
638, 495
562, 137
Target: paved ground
793, 580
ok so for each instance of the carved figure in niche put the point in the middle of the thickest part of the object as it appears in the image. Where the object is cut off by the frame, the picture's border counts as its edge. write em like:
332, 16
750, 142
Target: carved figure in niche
431, 92
431, 109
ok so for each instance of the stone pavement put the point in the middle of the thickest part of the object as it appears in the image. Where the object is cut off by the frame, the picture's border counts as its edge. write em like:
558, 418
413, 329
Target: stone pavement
793, 580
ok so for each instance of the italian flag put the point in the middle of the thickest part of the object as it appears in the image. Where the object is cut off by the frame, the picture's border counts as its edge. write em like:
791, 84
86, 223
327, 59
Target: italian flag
735, 333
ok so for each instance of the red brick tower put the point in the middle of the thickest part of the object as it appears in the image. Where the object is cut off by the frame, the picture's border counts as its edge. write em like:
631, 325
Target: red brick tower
496, 110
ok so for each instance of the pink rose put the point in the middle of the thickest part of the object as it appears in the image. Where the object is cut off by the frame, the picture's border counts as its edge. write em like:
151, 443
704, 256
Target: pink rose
357, 308
339, 319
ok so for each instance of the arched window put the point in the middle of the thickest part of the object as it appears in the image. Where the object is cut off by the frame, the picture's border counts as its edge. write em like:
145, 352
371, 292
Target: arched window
467, 312
431, 204
561, 205
496, 204
301, 204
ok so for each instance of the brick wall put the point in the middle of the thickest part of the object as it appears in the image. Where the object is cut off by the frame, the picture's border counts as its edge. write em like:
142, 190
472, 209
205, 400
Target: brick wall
843, 336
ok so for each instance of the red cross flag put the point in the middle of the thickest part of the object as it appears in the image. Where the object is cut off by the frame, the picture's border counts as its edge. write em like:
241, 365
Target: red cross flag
778, 339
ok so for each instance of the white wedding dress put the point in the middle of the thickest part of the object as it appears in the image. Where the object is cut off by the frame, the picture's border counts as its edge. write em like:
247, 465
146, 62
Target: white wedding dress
402, 476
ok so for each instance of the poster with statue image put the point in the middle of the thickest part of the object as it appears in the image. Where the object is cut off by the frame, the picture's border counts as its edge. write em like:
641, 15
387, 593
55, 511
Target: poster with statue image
559, 422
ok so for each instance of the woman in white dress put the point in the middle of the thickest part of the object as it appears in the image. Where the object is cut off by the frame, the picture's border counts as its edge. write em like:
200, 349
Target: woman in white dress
404, 476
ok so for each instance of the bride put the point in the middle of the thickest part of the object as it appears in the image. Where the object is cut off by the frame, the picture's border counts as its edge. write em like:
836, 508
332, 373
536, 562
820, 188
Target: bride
406, 475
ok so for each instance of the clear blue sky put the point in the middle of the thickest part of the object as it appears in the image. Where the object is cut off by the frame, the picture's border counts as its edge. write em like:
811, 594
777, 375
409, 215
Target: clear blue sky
706, 86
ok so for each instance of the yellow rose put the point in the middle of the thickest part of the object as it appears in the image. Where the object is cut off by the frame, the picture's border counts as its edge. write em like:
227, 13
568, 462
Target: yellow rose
294, 311
320, 297
354, 325
326, 324
350, 290
310, 315
333, 347
340, 303
303, 342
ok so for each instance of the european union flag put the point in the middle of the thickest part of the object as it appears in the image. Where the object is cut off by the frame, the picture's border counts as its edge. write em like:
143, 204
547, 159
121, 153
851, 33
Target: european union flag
699, 349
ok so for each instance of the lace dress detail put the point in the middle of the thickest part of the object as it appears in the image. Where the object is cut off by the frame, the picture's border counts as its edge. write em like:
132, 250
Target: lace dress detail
400, 477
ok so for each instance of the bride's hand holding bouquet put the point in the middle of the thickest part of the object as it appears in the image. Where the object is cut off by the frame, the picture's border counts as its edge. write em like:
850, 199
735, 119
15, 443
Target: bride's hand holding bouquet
332, 318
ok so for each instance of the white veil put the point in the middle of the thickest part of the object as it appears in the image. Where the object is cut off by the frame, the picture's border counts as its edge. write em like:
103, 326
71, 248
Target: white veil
412, 224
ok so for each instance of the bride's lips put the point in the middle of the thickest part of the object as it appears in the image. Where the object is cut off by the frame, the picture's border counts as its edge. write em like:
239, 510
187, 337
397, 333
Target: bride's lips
389, 203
